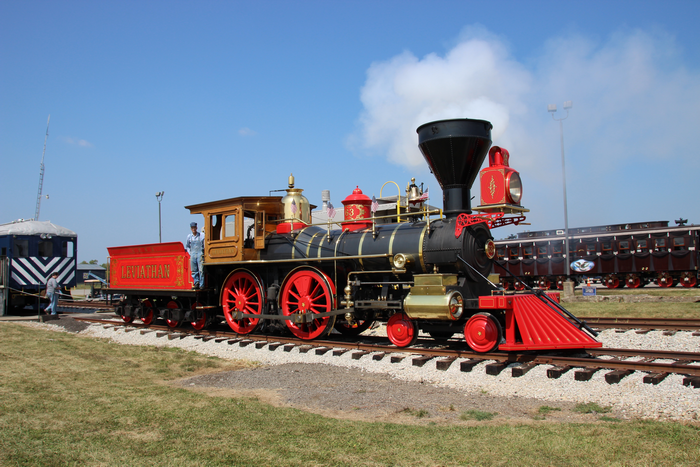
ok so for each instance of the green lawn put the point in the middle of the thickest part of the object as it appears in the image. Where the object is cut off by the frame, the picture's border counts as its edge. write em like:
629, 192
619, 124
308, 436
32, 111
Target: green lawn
71, 400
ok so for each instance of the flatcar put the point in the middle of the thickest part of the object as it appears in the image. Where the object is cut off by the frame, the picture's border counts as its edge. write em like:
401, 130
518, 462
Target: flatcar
632, 255
30, 251
268, 267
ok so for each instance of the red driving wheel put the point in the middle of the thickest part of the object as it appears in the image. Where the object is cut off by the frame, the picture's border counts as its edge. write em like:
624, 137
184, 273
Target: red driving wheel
242, 292
304, 291
483, 332
402, 331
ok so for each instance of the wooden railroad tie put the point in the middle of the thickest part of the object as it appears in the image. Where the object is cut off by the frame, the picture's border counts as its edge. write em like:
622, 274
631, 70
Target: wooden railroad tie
339, 352
234, 340
208, 338
420, 361
468, 365
655, 378
145, 331
444, 363
129, 329
495, 369
693, 381
616, 376
322, 350
586, 374
359, 355
518, 371
378, 356
288, 347
162, 333
397, 358
260, 344
305, 348
218, 340
245, 342
556, 371
274, 346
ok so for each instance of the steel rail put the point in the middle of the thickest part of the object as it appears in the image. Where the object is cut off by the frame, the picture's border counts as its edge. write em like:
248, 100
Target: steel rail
674, 324
588, 359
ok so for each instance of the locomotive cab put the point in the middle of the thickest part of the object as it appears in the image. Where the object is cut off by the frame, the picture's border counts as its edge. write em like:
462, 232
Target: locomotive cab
235, 229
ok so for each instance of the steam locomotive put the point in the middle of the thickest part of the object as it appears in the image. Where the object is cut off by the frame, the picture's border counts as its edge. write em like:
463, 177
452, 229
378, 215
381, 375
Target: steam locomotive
268, 266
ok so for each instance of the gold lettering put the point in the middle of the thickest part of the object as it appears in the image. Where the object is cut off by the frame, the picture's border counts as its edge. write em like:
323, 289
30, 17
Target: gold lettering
142, 272
167, 271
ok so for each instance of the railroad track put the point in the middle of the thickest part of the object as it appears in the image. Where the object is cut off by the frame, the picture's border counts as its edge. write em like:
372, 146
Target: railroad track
643, 324
100, 305
584, 363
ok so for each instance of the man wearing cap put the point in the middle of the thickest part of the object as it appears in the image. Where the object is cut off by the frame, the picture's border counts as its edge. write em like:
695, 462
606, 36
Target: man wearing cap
195, 247
52, 294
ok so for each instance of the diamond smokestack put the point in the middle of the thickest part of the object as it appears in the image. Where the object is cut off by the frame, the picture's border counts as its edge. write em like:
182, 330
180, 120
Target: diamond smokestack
455, 150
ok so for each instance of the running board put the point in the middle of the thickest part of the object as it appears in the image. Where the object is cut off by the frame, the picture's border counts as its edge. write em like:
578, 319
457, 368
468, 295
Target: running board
539, 325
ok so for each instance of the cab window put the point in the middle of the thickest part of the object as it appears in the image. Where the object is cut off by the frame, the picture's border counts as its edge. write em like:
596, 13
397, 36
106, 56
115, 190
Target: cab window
230, 226
45, 248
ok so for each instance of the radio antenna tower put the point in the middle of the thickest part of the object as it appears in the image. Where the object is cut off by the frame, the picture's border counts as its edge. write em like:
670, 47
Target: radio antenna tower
41, 173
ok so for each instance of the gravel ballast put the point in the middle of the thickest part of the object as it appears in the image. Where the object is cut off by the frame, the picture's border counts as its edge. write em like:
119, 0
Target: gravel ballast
379, 390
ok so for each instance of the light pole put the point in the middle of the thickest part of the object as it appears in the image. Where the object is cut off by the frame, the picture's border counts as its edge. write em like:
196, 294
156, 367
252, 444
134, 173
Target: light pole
159, 197
553, 108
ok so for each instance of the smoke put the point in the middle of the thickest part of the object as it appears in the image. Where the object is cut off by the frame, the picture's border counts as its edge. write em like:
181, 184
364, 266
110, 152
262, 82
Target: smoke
477, 78
633, 98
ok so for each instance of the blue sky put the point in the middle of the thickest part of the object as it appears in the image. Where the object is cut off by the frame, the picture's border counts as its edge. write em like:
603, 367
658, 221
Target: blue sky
212, 100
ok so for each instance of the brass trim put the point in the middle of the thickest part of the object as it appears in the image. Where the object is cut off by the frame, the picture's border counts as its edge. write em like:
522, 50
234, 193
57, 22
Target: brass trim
391, 239
420, 249
296, 237
359, 249
298, 260
311, 241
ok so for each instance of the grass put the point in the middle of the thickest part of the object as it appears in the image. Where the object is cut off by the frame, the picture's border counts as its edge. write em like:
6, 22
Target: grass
591, 407
635, 310
76, 401
477, 415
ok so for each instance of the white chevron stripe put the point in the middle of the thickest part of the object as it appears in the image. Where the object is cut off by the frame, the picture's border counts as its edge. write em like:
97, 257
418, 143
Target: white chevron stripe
17, 279
24, 270
27, 278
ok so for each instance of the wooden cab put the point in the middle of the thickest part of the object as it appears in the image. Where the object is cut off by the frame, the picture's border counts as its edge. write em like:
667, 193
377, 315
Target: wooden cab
235, 228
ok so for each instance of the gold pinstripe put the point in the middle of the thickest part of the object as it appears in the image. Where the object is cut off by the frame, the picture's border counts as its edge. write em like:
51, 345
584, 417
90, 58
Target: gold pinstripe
359, 249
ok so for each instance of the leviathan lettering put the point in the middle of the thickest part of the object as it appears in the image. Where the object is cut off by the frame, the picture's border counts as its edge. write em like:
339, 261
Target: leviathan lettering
149, 271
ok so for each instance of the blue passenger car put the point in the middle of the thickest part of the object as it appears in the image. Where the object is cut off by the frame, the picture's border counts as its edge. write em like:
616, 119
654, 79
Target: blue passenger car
30, 251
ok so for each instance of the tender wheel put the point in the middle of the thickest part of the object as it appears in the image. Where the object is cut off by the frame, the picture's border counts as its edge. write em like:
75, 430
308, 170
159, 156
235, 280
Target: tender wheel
359, 326
544, 284
307, 290
517, 285
611, 281
172, 304
483, 332
201, 323
688, 280
401, 330
126, 319
242, 292
665, 280
148, 312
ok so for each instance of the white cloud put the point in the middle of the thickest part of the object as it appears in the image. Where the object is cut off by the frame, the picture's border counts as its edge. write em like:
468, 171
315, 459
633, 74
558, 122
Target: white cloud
247, 132
635, 110
77, 142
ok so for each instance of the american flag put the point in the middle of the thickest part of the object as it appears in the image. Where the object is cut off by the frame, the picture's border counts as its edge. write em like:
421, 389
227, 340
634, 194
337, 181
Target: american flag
375, 205
331, 210
294, 207
425, 195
